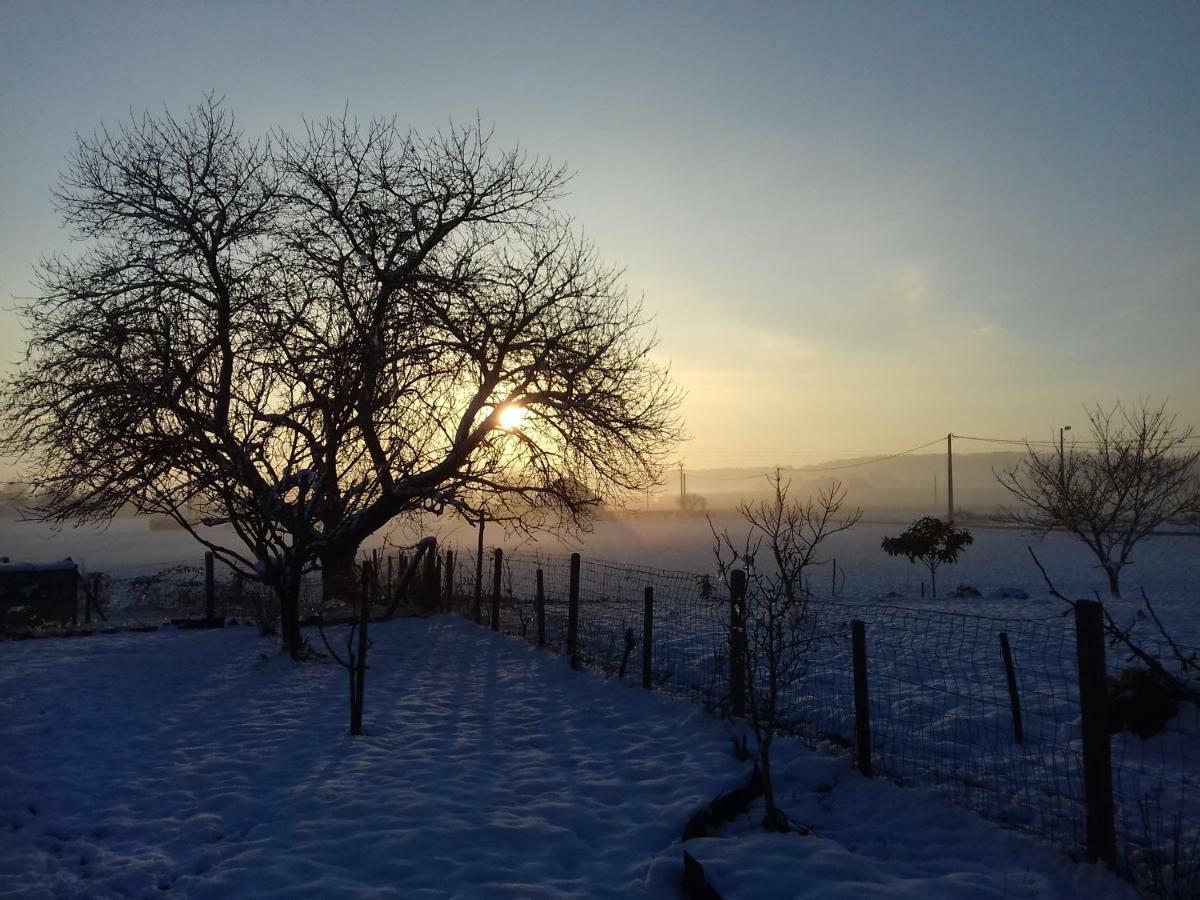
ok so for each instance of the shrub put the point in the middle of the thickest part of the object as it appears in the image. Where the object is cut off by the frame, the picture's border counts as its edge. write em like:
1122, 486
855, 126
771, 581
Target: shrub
1141, 702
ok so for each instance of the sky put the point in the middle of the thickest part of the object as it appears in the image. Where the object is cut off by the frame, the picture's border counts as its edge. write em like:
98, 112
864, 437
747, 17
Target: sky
858, 226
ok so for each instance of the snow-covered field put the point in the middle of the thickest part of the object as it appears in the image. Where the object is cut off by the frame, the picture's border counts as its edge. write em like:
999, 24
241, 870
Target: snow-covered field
205, 764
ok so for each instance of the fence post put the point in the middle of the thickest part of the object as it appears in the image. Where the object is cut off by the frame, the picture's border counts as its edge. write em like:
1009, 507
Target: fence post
862, 702
496, 571
239, 596
210, 588
448, 605
540, 607
1014, 697
431, 587
402, 586
364, 581
477, 607
360, 663
648, 640
388, 589
573, 613
1097, 751
737, 641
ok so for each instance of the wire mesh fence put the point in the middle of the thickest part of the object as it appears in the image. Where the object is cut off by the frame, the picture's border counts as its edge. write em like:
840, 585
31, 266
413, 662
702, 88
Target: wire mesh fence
999, 733
948, 711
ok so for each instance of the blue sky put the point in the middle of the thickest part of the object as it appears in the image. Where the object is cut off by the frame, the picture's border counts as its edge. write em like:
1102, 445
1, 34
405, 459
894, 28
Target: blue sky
859, 225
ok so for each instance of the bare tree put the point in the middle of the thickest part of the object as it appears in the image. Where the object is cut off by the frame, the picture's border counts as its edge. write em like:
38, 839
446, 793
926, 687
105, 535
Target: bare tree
458, 346
299, 339
778, 625
1139, 474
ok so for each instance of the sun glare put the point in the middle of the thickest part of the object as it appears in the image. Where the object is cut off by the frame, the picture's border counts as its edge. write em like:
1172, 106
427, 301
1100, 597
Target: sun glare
513, 417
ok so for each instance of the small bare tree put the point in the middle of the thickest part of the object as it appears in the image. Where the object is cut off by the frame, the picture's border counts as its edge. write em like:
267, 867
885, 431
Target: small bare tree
779, 629
1139, 474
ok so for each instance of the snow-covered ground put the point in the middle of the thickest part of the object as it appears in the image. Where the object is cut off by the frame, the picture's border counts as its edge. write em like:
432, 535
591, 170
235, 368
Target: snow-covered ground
206, 764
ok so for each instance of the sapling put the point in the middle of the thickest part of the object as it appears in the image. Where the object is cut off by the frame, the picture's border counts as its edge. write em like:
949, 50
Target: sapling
779, 633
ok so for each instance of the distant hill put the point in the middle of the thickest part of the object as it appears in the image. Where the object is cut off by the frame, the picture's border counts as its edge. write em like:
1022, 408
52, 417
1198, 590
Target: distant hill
900, 484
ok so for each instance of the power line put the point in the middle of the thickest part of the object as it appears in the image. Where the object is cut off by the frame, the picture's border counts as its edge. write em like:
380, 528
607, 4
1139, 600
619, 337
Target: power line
871, 462
853, 465
1023, 442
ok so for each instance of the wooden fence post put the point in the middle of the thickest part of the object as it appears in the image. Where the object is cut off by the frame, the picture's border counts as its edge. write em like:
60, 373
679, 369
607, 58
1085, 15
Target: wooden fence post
573, 612
402, 586
1014, 696
648, 640
862, 702
360, 663
496, 573
388, 590
540, 609
448, 578
210, 588
1097, 751
737, 641
364, 581
239, 596
431, 586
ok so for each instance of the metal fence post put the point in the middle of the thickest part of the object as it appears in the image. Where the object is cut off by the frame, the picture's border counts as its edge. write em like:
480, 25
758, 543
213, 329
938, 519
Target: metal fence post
862, 700
540, 608
210, 588
573, 613
1097, 751
648, 640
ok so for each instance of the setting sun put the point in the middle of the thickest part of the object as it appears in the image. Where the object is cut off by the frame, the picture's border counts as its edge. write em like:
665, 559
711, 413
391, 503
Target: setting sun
513, 417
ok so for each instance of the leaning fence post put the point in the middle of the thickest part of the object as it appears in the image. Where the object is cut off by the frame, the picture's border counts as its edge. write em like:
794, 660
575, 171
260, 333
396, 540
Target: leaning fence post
496, 572
862, 701
540, 608
573, 612
210, 588
737, 641
1097, 751
1014, 696
648, 640
448, 605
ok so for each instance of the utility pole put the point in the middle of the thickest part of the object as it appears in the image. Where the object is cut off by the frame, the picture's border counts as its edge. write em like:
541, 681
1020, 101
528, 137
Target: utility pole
935, 491
950, 478
682, 487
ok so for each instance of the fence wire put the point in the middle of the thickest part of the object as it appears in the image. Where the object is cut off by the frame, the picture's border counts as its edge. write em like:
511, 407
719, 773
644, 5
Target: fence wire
941, 711
942, 714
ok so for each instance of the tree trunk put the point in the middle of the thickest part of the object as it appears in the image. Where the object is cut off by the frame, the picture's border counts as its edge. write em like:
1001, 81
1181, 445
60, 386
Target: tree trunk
773, 819
1114, 580
339, 583
287, 588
